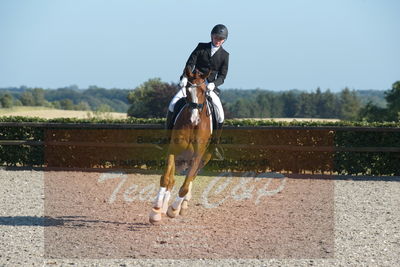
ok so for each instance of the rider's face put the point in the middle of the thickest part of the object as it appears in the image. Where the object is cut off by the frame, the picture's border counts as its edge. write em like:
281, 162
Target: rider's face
217, 41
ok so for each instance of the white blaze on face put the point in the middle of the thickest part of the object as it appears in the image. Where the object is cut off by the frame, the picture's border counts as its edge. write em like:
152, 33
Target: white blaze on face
194, 118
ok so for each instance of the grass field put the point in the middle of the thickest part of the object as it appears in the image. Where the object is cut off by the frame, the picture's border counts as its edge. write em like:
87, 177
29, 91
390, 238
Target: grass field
293, 119
48, 113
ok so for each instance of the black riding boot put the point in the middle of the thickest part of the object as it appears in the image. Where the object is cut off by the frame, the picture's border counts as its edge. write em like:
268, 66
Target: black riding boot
169, 123
216, 148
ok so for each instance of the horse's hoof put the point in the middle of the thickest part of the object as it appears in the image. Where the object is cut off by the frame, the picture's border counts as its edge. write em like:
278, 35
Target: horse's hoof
164, 209
172, 213
184, 208
155, 216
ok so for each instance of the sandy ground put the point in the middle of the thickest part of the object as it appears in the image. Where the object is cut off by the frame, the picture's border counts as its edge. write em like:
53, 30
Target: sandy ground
58, 218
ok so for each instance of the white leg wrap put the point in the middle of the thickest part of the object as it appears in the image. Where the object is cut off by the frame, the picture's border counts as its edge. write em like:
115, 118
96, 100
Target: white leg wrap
164, 207
189, 193
177, 203
160, 197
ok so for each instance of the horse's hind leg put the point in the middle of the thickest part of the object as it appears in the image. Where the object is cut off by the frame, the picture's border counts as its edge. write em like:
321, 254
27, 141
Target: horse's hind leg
185, 204
185, 190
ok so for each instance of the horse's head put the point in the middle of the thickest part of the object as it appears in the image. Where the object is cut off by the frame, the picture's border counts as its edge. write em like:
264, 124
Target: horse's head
195, 91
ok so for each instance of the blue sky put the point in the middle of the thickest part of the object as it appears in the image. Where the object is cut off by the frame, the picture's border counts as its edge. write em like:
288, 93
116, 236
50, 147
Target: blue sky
275, 45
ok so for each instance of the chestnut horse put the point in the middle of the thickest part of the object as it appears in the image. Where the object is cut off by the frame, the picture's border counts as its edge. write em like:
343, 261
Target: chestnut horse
190, 138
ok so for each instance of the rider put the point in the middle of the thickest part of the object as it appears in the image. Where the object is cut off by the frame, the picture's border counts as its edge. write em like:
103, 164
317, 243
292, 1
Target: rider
207, 56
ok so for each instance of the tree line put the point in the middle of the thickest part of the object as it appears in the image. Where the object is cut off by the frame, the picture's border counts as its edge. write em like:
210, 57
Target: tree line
150, 100
295, 104
68, 98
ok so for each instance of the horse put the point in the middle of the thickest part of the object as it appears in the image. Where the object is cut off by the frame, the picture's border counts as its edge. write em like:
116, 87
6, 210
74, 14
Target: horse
190, 137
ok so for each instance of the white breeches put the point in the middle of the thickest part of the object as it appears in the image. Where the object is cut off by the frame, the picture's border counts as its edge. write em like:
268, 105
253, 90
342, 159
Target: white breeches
214, 97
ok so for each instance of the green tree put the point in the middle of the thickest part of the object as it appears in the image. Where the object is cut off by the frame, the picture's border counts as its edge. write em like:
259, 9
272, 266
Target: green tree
327, 105
306, 107
151, 99
276, 106
67, 104
289, 104
56, 104
349, 104
83, 105
393, 102
47, 104
6, 101
104, 108
102, 111
38, 97
371, 112
261, 107
27, 99
17, 103
241, 109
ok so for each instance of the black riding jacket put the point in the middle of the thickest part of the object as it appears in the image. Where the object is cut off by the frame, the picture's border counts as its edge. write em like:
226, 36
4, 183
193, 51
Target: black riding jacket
202, 60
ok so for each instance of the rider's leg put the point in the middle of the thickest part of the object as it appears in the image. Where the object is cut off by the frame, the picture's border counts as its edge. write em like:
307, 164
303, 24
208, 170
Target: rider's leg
170, 115
217, 102
177, 96
218, 152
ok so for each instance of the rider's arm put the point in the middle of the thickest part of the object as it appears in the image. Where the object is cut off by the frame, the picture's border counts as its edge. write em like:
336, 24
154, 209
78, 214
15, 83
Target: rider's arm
222, 72
191, 62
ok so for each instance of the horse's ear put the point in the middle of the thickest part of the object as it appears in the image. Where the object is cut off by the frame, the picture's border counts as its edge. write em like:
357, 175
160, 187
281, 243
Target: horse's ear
205, 75
188, 72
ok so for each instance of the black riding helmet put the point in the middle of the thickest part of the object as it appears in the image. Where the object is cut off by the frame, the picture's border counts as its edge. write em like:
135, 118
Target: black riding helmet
220, 30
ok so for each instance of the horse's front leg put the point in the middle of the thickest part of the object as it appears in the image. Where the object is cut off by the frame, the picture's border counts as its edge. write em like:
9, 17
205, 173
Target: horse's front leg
180, 205
167, 181
185, 203
169, 186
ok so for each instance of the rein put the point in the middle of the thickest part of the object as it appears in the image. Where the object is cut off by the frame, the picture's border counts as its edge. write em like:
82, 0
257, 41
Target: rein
195, 85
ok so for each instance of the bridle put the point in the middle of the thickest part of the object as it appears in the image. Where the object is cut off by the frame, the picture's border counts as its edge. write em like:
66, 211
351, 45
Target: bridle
193, 105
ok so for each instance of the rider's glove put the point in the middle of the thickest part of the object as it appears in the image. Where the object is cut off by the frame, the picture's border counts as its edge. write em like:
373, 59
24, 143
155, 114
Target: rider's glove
183, 82
210, 86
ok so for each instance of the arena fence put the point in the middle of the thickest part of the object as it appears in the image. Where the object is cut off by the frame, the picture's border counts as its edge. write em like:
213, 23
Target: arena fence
290, 149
